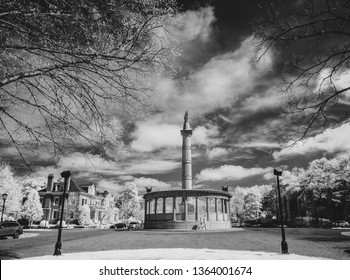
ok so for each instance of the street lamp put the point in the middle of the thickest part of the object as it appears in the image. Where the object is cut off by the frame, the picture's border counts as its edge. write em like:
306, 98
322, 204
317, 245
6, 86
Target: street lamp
4, 197
284, 244
58, 246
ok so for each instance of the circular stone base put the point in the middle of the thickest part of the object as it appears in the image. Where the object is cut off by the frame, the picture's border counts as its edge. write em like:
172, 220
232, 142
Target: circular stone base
188, 225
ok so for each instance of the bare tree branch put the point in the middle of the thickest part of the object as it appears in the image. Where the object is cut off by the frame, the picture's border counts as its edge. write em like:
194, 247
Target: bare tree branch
68, 68
315, 43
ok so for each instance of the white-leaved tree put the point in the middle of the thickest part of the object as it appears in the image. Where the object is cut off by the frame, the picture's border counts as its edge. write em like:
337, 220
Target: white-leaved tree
84, 215
32, 209
12, 188
128, 202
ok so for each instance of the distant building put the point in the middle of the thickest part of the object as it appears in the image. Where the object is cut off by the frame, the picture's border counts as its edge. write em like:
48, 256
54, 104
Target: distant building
101, 204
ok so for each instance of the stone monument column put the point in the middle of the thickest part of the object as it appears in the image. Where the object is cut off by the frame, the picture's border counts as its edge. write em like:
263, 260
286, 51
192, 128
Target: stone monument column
186, 133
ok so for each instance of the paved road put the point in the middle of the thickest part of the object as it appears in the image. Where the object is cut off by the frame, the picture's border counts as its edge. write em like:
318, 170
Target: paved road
328, 243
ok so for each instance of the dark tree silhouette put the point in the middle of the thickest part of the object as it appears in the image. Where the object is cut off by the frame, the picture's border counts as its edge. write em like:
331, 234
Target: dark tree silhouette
313, 40
67, 67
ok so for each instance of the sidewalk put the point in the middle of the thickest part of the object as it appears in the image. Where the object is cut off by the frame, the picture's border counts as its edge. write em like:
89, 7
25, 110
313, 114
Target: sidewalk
175, 254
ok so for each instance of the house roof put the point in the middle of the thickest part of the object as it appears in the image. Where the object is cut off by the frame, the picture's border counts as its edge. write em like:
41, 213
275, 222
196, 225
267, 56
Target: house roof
73, 187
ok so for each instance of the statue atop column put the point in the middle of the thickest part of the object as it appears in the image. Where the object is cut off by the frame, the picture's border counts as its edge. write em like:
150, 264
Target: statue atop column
186, 116
186, 124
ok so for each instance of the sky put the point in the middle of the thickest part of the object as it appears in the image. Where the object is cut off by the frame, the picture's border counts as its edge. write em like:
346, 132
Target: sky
234, 103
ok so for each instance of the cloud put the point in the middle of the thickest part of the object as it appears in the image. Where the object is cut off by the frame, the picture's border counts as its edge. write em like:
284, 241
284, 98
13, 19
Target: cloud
197, 24
217, 84
257, 144
328, 79
151, 182
109, 185
230, 172
141, 182
217, 153
153, 134
126, 178
87, 165
331, 140
153, 166
262, 101
205, 135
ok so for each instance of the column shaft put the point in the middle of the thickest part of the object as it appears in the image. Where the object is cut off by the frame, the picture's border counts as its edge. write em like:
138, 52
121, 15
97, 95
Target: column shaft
164, 208
222, 209
207, 208
146, 210
174, 208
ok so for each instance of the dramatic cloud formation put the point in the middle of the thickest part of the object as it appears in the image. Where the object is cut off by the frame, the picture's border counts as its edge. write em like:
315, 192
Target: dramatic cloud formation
92, 165
230, 172
205, 135
217, 153
152, 135
332, 140
197, 24
219, 83
233, 101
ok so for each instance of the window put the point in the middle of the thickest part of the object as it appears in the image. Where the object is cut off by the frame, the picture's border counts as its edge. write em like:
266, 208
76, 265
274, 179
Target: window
92, 215
56, 200
57, 188
83, 201
54, 215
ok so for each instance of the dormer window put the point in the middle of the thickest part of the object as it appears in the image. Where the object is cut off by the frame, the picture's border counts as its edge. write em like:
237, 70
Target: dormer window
58, 188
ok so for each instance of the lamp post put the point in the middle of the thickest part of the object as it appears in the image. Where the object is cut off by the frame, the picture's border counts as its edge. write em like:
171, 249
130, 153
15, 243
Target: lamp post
4, 197
284, 244
66, 175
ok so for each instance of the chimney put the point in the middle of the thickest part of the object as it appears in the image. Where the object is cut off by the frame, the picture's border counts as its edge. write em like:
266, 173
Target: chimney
49, 183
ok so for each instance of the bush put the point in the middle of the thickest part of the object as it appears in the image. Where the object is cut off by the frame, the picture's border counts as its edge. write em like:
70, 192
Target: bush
44, 224
324, 222
63, 224
304, 221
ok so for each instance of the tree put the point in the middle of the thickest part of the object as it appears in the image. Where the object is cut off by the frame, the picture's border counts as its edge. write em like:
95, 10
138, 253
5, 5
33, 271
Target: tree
107, 215
237, 204
33, 183
341, 190
246, 203
292, 180
31, 208
84, 215
318, 183
313, 39
71, 205
128, 202
72, 66
269, 205
10, 186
